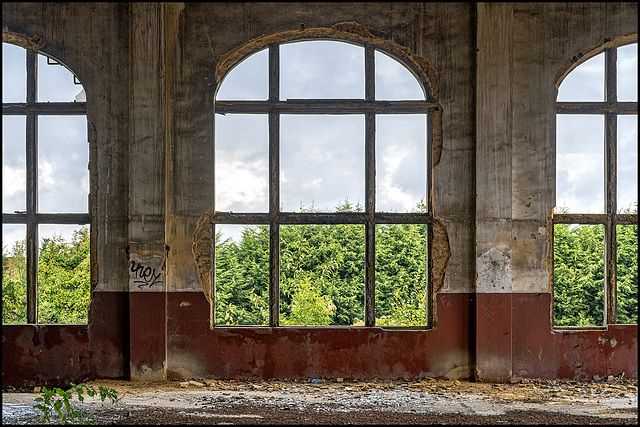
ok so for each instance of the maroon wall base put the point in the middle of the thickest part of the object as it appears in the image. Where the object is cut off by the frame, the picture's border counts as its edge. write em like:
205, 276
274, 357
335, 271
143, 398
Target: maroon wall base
500, 337
55, 355
316, 352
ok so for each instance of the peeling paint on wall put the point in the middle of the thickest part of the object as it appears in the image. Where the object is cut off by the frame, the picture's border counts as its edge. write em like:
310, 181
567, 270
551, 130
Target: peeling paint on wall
494, 272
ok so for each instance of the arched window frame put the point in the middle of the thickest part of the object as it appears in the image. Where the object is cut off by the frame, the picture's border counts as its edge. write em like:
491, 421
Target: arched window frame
369, 106
610, 108
32, 109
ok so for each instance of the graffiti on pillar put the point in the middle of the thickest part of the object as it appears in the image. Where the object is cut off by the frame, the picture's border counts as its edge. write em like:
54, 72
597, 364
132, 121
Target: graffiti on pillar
146, 272
145, 276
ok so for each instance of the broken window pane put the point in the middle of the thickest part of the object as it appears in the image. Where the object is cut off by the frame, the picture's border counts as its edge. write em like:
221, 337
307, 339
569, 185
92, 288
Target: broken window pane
628, 73
242, 163
321, 274
63, 164
242, 275
627, 273
580, 163
55, 82
627, 189
249, 80
14, 73
401, 162
14, 274
585, 82
64, 273
14, 184
321, 162
578, 275
321, 69
401, 275
394, 81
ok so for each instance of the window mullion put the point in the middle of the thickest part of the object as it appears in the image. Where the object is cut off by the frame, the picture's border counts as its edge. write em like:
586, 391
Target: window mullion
611, 208
32, 190
370, 191
274, 188
611, 187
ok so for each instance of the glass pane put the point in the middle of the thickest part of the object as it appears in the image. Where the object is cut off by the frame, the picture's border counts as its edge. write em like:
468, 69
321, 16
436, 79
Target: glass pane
56, 82
321, 163
63, 164
321, 69
14, 274
14, 73
578, 275
401, 162
627, 273
242, 162
580, 163
585, 82
64, 274
401, 275
242, 275
394, 81
627, 189
14, 172
248, 80
628, 73
321, 274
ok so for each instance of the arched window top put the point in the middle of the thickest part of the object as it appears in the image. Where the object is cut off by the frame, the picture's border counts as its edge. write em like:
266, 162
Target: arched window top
55, 82
320, 69
399, 73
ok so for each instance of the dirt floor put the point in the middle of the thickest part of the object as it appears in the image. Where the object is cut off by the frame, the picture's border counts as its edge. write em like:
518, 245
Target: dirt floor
424, 401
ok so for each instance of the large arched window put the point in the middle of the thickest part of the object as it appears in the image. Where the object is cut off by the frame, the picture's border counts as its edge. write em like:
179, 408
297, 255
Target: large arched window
45, 191
595, 221
323, 206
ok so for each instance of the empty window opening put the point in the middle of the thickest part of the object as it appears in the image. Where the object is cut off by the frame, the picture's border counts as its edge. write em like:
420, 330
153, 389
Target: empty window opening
322, 212
595, 221
45, 193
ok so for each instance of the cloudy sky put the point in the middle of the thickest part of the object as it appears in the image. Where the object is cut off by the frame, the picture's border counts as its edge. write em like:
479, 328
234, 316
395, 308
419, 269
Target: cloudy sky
321, 156
63, 150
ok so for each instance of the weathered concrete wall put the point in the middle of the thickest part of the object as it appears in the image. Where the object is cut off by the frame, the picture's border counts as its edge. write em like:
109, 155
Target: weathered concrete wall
148, 70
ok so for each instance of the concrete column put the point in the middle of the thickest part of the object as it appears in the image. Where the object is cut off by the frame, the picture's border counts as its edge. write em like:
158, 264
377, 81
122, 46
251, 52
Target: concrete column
493, 191
147, 288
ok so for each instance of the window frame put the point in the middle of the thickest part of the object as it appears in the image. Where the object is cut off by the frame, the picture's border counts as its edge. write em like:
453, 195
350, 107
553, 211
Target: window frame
369, 107
610, 108
31, 217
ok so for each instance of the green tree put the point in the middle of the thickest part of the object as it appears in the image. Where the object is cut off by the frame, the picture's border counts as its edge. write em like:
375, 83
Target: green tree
14, 284
64, 284
627, 274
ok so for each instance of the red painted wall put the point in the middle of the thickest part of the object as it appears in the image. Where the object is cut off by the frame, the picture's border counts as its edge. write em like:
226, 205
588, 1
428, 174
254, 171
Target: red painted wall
503, 336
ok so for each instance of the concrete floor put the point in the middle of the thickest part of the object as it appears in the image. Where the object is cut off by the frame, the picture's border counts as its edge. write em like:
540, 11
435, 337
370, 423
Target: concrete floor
258, 402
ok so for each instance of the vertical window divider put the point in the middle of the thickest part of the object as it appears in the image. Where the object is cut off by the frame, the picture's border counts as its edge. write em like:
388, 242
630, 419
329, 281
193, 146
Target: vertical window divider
610, 187
370, 189
32, 188
274, 186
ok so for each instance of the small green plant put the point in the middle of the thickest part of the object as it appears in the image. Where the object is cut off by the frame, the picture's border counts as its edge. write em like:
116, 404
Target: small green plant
56, 403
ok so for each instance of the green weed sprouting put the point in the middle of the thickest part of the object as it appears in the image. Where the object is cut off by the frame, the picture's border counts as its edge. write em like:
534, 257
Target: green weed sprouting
55, 403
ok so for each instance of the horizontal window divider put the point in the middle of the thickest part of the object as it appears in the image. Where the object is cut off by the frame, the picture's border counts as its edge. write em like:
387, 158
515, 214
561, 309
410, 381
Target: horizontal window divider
47, 218
240, 218
626, 219
575, 218
293, 218
402, 218
596, 108
325, 106
51, 108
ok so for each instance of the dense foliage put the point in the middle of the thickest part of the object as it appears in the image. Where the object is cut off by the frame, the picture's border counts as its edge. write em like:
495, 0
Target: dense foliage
578, 272
63, 281
322, 276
